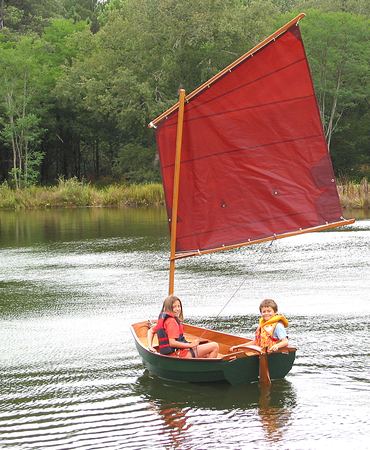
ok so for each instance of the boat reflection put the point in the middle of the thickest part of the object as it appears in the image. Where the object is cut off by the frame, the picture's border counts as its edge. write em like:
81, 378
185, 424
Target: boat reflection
176, 402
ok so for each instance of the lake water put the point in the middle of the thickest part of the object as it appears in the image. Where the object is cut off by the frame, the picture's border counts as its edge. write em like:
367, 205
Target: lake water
71, 283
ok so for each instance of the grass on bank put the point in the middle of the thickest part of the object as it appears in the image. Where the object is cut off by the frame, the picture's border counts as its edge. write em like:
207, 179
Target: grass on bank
354, 195
74, 193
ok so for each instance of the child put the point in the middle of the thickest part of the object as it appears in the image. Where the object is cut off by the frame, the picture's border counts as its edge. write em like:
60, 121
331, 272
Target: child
170, 332
271, 333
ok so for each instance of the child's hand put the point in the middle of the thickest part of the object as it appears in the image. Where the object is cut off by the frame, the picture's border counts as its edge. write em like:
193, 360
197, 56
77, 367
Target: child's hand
274, 348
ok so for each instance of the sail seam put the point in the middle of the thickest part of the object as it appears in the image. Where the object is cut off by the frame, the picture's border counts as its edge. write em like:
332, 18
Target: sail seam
235, 150
193, 106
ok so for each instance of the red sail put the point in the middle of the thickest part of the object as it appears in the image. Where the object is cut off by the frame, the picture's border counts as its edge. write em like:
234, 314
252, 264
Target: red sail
254, 160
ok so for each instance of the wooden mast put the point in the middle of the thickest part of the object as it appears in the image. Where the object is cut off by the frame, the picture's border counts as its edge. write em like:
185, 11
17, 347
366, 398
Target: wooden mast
175, 196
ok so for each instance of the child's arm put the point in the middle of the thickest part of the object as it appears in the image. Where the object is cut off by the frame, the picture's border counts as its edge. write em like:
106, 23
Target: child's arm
280, 344
245, 345
279, 333
177, 344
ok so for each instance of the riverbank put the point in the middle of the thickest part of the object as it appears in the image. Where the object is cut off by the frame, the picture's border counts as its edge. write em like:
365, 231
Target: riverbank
73, 193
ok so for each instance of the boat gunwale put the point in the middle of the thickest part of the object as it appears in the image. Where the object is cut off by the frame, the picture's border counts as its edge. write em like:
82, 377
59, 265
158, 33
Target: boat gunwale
226, 358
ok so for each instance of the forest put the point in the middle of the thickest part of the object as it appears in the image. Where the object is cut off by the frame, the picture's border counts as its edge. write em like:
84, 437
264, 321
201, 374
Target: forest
81, 79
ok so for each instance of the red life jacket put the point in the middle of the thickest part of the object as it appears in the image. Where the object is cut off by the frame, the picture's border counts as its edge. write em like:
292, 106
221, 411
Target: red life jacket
164, 343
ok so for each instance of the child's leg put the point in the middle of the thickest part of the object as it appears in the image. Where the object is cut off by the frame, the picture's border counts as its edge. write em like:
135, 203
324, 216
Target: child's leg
209, 350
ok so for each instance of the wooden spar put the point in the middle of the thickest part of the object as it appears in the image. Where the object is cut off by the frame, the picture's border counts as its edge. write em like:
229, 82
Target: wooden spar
267, 239
264, 373
229, 67
175, 196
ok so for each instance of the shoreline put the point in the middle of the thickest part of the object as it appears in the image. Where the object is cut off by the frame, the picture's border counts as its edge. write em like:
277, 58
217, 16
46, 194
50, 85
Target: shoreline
74, 194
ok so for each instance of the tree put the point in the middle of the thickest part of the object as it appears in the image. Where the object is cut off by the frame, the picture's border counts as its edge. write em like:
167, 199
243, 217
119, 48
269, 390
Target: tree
2, 10
131, 70
26, 16
351, 157
21, 130
360, 7
338, 52
79, 10
28, 73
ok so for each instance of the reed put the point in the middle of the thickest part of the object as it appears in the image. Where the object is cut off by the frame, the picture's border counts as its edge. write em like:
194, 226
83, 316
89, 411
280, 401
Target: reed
75, 193
354, 195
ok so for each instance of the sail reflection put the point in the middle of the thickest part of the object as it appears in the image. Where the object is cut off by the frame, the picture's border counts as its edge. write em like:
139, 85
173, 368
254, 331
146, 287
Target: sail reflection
177, 403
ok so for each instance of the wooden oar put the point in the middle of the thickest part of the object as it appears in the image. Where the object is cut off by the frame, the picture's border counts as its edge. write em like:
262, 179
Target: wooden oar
264, 373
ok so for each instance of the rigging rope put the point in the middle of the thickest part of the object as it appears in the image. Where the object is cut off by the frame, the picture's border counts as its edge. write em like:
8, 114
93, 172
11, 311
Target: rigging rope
241, 284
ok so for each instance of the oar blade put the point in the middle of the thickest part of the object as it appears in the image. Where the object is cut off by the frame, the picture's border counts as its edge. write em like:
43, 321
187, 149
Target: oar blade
264, 373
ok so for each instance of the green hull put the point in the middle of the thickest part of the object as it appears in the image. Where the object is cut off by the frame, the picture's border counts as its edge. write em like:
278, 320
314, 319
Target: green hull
237, 371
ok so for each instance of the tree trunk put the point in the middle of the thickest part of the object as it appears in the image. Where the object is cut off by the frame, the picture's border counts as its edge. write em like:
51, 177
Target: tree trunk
331, 126
97, 159
1, 14
9, 103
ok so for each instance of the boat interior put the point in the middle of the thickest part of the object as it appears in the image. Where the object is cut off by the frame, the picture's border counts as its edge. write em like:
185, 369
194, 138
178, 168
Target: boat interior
224, 340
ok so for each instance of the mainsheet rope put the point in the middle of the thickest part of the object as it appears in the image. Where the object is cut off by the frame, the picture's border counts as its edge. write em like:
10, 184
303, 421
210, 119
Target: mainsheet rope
264, 252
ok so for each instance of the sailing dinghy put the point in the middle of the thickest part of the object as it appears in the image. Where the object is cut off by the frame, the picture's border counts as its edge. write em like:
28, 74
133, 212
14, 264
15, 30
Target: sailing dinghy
244, 160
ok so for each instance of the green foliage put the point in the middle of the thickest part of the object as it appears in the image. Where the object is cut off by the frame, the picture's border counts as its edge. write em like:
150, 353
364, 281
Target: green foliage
94, 85
135, 164
351, 144
24, 134
75, 193
27, 16
339, 53
361, 7
30, 67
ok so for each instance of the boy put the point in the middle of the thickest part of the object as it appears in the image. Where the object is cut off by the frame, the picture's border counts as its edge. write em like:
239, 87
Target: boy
271, 333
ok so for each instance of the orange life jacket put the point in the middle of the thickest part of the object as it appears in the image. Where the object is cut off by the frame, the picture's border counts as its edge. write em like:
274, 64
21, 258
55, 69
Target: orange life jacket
265, 331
